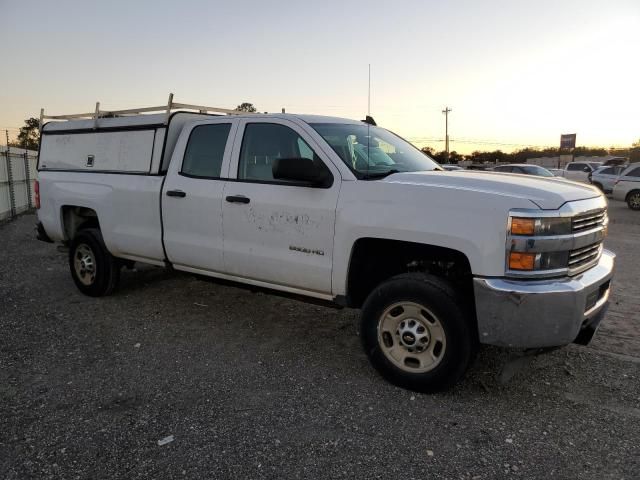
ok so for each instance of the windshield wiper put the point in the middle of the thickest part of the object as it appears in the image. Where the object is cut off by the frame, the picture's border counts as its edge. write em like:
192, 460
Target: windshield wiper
378, 175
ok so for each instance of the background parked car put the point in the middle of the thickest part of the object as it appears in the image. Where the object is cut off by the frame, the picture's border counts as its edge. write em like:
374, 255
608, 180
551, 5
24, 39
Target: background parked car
605, 177
524, 169
451, 167
577, 171
627, 187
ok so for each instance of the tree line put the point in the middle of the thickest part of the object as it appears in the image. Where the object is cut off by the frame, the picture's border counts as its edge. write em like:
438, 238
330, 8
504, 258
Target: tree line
521, 156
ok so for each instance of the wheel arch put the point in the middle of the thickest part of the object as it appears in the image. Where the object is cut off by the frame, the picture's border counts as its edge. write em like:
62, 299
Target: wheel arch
633, 190
374, 260
75, 218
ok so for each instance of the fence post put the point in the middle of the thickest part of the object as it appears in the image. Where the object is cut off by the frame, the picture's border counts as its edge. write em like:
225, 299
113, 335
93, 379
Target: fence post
12, 197
27, 179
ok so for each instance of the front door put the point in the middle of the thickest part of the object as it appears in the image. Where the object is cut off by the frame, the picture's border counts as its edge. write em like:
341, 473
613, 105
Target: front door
277, 231
192, 196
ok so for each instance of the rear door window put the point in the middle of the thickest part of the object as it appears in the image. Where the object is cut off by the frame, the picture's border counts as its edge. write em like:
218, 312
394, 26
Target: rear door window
205, 151
576, 166
634, 173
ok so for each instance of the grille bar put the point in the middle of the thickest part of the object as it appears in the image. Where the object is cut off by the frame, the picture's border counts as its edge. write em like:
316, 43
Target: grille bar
584, 256
588, 220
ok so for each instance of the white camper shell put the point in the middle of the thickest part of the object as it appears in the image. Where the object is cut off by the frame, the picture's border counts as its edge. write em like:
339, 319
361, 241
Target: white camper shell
122, 141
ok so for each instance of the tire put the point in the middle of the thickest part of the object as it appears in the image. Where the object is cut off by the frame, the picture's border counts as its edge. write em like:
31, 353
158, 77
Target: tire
418, 306
94, 270
633, 200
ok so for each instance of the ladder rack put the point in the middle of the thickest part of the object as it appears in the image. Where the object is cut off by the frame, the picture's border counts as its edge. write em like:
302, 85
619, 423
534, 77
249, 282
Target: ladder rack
171, 105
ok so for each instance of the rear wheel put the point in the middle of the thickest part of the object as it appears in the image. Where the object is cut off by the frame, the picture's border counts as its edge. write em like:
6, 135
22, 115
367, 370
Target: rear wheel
416, 332
633, 200
94, 270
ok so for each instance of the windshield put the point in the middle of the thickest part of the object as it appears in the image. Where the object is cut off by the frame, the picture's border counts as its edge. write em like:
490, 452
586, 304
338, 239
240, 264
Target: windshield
373, 152
539, 171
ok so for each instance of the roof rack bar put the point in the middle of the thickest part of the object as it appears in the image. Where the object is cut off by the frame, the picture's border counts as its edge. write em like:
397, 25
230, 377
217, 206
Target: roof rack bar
73, 116
208, 109
168, 107
96, 115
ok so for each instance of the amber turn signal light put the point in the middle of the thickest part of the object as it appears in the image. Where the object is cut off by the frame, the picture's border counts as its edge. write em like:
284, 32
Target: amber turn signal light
523, 226
522, 261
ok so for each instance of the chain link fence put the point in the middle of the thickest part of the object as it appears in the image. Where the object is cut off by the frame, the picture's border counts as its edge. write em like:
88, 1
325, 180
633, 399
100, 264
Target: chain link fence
17, 177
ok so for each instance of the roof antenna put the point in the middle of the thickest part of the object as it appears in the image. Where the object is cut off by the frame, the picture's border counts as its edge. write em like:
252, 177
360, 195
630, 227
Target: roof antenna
369, 94
369, 119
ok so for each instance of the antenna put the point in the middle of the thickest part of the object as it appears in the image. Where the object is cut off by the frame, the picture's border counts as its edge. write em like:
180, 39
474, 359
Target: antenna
369, 94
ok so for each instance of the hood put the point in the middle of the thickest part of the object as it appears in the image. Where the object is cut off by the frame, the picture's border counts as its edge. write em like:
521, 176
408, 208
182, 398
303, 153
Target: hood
546, 192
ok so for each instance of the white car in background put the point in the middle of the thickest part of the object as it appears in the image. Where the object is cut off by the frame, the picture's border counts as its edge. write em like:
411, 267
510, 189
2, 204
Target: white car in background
605, 177
627, 187
577, 171
524, 169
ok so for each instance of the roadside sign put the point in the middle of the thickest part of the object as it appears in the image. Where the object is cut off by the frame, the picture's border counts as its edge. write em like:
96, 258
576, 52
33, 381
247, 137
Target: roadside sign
568, 140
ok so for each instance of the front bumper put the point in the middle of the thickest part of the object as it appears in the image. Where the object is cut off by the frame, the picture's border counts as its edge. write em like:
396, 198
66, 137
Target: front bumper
543, 313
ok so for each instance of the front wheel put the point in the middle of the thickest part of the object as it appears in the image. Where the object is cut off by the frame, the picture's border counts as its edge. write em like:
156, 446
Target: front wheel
416, 332
94, 270
633, 200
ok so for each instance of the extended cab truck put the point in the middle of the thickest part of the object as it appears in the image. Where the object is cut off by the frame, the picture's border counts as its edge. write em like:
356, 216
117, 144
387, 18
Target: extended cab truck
577, 171
335, 210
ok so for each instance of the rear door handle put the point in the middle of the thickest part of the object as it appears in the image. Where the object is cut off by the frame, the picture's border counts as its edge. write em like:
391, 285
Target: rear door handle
237, 199
176, 193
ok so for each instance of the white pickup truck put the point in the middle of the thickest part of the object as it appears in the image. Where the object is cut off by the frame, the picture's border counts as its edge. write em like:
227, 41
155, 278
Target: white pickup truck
577, 171
338, 211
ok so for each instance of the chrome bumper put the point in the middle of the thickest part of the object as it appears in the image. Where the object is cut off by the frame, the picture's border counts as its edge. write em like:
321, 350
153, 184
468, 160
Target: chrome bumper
543, 313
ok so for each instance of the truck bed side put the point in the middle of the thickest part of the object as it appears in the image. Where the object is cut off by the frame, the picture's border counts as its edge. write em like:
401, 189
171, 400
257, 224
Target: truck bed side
127, 209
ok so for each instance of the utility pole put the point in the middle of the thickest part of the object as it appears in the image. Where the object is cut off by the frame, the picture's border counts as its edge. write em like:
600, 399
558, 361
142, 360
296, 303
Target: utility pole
446, 112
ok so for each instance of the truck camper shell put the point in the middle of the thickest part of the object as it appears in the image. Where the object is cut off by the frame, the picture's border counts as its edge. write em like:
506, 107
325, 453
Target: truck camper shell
132, 141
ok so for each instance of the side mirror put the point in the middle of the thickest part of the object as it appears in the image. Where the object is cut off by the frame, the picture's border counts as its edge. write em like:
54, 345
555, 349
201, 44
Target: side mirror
586, 169
302, 170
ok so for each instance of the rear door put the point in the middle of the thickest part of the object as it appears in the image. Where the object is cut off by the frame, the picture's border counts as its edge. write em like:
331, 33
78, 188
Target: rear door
606, 177
575, 171
276, 231
192, 195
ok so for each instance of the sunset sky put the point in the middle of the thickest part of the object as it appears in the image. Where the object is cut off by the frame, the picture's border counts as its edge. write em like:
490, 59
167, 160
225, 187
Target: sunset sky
515, 73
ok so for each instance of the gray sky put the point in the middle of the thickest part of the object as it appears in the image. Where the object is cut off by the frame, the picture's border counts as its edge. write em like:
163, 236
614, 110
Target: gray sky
514, 72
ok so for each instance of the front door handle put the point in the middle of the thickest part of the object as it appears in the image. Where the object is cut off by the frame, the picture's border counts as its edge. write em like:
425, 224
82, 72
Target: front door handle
176, 193
237, 199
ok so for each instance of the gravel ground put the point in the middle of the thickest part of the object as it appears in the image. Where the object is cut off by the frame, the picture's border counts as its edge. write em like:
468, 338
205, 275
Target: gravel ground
256, 386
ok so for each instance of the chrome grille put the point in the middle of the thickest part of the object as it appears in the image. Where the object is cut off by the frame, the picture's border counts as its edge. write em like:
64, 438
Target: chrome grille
584, 257
587, 221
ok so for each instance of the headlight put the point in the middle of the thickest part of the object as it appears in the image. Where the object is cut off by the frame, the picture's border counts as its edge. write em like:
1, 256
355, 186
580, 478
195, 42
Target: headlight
538, 261
554, 243
519, 259
540, 226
